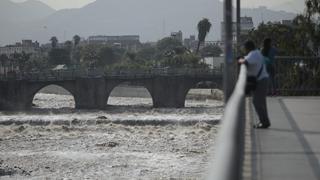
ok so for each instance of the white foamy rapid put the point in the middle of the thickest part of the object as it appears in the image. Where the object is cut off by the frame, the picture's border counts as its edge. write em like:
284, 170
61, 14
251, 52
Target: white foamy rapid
51, 107
127, 140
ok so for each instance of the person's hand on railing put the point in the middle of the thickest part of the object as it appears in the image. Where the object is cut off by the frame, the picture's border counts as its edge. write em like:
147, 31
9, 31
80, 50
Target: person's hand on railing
241, 60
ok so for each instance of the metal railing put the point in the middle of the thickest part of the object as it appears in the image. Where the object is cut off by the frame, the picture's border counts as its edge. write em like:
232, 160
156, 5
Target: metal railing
43, 75
165, 72
227, 161
296, 76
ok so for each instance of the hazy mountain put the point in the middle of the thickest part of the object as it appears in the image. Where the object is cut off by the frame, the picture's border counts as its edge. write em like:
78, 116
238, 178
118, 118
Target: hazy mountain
263, 14
151, 19
290, 6
27, 11
16, 17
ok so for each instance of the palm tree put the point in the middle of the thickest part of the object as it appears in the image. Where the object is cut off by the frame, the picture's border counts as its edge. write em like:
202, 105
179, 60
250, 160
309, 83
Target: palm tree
313, 7
76, 40
203, 28
54, 41
68, 45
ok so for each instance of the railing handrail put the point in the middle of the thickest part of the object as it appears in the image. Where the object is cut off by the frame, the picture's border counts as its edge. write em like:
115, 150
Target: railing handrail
229, 149
297, 57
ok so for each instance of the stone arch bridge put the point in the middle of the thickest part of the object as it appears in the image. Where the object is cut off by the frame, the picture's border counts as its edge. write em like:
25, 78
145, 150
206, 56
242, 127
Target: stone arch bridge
92, 90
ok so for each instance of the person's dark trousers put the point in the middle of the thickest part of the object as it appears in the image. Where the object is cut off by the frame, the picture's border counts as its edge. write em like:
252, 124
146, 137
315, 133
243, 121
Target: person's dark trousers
272, 84
260, 102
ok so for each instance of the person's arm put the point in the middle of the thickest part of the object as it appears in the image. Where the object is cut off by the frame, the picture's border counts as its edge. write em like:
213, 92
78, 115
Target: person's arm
242, 61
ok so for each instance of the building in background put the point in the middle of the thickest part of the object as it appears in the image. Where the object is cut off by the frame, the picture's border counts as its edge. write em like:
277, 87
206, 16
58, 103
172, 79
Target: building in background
7, 60
191, 43
26, 46
129, 42
177, 35
214, 43
246, 24
287, 22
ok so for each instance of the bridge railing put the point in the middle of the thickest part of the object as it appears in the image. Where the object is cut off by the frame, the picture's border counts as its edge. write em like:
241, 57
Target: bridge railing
228, 154
165, 72
297, 75
50, 75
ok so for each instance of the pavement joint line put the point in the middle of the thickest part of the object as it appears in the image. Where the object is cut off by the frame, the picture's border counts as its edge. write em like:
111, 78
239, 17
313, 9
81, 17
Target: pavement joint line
313, 160
256, 143
282, 153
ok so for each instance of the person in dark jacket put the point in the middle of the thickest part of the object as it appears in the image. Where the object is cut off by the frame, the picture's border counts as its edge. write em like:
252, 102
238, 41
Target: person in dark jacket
269, 53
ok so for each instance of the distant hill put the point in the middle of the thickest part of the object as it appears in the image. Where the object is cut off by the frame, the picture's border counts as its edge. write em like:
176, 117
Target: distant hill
151, 19
290, 6
15, 16
263, 14
27, 11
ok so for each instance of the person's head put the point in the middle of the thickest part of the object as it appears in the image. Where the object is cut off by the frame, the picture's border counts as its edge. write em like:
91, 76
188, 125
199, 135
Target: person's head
249, 46
267, 43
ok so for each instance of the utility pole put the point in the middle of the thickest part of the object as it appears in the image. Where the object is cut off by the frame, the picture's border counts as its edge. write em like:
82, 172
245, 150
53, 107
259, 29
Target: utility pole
229, 59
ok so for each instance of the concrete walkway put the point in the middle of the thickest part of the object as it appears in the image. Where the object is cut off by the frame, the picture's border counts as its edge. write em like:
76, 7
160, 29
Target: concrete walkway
290, 149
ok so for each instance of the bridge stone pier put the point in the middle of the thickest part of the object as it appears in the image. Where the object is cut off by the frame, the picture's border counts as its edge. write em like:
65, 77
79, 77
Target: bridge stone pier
93, 93
90, 93
170, 92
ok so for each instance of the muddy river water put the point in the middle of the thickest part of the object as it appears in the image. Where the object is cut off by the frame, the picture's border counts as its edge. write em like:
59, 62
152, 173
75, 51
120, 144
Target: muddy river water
127, 140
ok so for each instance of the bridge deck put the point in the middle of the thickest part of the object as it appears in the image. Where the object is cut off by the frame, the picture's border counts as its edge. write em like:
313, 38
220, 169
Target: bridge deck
290, 149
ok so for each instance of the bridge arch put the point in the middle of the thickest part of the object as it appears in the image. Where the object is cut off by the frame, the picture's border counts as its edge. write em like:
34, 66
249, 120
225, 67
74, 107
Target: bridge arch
64, 89
124, 89
198, 84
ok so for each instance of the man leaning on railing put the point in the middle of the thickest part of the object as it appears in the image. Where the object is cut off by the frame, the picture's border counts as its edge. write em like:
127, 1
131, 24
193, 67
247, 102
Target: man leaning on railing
257, 82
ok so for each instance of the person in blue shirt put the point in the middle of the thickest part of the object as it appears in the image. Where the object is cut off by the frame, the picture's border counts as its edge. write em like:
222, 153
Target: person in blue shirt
269, 53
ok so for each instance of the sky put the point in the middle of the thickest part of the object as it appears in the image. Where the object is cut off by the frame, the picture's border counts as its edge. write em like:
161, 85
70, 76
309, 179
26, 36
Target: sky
289, 5
63, 4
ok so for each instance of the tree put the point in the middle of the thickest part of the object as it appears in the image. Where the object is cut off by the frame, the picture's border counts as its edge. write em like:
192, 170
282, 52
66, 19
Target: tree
68, 45
59, 56
37, 62
76, 40
211, 51
147, 53
75, 52
298, 33
106, 56
54, 41
168, 47
4, 62
183, 61
20, 60
167, 44
89, 55
76, 55
204, 27
312, 8
304, 31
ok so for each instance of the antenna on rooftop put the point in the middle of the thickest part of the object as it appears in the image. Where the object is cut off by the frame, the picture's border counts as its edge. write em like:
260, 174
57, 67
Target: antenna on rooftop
262, 18
163, 27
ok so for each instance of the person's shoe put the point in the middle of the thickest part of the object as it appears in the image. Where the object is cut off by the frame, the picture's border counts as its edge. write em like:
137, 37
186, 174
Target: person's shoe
261, 126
